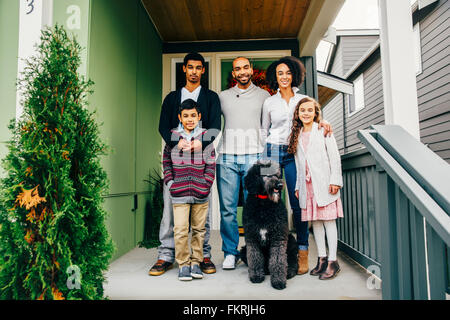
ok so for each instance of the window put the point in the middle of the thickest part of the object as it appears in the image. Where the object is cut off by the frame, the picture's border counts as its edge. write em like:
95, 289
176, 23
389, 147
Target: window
356, 101
417, 48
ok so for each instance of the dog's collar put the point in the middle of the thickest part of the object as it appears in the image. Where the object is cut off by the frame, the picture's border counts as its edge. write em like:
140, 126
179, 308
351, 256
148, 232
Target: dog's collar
262, 196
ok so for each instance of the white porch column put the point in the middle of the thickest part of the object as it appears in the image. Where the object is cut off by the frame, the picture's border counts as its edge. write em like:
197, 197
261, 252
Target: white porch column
33, 17
397, 59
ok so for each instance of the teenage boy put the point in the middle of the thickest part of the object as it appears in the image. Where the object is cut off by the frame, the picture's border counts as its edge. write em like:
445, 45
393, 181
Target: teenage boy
209, 105
189, 176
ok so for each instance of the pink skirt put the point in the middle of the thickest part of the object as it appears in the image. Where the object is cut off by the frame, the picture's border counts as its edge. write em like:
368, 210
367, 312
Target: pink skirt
313, 212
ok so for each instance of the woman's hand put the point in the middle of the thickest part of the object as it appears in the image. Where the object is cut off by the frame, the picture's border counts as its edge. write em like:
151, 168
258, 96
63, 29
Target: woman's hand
196, 145
327, 129
186, 146
333, 189
296, 193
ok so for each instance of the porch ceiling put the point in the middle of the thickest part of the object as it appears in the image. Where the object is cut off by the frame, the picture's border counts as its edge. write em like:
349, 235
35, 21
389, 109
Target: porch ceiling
325, 94
196, 20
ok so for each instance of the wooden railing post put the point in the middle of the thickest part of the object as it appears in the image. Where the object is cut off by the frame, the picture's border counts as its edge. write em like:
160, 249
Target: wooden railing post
418, 266
387, 239
403, 244
436, 265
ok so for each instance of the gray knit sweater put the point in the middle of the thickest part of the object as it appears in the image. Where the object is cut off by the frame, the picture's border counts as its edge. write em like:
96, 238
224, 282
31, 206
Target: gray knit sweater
242, 117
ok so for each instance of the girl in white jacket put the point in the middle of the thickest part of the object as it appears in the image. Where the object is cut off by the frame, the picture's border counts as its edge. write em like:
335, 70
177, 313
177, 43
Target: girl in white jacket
319, 179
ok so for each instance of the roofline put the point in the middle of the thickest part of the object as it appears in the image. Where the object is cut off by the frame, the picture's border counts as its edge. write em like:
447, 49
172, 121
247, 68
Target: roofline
363, 59
357, 32
331, 56
333, 82
319, 17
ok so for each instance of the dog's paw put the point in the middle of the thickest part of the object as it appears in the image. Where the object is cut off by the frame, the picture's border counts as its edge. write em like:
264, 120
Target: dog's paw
257, 279
279, 285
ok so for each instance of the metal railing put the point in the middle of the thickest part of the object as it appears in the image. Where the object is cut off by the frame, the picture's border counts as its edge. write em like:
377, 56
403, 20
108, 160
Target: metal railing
412, 223
357, 231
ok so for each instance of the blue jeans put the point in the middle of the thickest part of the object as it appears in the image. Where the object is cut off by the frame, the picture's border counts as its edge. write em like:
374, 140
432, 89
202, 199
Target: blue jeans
287, 163
231, 170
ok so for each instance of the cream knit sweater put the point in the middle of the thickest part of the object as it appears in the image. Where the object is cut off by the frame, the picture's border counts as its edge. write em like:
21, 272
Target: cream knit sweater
242, 120
324, 163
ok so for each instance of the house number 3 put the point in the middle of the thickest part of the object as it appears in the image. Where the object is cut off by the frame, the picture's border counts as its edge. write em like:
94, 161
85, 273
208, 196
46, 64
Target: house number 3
30, 5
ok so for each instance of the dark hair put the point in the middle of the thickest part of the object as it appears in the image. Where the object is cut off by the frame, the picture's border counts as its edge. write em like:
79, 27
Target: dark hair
188, 104
193, 56
294, 64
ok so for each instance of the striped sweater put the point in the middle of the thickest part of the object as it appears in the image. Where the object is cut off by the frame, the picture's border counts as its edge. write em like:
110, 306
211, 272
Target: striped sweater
189, 175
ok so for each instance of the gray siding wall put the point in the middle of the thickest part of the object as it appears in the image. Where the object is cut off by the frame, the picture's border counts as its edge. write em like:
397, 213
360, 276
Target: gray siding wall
433, 84
353, 48
433, 87
337, 66
334, 114
349, 50
372, 113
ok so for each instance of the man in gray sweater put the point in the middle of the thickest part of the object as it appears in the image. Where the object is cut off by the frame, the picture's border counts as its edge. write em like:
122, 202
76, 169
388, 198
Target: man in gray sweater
239, 148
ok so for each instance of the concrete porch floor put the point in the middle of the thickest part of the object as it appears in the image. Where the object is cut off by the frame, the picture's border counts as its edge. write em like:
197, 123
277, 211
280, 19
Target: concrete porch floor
128, 279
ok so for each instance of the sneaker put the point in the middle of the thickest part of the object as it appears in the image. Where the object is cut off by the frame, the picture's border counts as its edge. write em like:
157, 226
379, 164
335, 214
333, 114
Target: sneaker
184, 273
196, 272
207, 266
160, 267
229, 263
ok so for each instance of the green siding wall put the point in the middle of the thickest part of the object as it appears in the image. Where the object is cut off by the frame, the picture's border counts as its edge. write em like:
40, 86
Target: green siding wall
125, 55
9, 42
74, 15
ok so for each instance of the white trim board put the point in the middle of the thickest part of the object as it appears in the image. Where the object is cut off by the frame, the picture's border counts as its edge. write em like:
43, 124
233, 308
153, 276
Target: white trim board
33, 17
335, 83
357, 32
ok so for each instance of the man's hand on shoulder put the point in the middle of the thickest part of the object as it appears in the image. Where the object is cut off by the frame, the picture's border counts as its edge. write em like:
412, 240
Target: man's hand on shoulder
327, 129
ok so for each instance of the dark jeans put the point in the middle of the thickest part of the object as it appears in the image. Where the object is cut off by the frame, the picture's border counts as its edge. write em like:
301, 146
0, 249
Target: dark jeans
287, 163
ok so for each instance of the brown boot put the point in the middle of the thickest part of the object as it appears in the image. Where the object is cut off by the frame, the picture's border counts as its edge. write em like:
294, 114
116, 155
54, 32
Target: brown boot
331, 271
303, 265
322, 263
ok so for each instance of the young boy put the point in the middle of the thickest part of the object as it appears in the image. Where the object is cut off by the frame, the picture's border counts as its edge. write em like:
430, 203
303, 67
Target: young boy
189, 176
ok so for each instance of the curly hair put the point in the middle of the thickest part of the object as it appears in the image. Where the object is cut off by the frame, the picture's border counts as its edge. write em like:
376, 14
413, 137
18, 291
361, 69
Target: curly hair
297, 124
295, 66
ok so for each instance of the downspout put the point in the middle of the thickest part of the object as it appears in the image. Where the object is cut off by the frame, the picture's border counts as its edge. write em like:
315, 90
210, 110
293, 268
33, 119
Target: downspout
344, 122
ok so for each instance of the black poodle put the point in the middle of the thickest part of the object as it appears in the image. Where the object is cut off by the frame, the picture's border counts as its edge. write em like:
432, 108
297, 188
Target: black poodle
270, 248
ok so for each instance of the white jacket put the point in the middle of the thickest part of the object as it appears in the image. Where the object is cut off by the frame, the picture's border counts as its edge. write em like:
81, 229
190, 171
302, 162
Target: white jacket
324, 162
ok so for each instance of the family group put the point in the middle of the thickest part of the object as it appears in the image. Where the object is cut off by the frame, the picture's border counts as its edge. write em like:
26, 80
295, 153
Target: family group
285, 127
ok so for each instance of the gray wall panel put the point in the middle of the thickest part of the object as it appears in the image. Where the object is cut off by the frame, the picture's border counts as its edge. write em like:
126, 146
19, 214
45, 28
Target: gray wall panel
433, 84
354, 48
336, 68
333, 113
